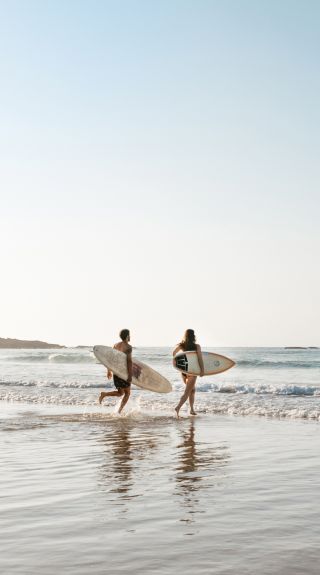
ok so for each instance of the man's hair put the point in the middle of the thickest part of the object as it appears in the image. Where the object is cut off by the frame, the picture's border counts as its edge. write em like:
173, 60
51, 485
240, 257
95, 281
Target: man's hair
124, 334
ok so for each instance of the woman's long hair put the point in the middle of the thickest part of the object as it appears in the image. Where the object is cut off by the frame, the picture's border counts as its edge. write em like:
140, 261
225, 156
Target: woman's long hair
188, 342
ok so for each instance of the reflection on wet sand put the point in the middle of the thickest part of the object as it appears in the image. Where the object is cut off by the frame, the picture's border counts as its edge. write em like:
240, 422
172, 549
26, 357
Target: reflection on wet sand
126, 445
199, 466
144, 460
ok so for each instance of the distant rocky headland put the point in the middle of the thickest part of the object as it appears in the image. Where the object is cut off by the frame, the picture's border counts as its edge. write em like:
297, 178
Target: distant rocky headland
26, 344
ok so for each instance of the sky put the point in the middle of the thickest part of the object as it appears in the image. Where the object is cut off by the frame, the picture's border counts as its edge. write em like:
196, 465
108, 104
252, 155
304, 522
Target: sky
159, 170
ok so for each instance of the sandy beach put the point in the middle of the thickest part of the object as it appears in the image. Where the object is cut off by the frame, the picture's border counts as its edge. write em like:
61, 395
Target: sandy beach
86, 491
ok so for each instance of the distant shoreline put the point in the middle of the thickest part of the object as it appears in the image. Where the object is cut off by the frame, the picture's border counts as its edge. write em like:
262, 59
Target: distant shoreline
10, 343
7, 343
300, 347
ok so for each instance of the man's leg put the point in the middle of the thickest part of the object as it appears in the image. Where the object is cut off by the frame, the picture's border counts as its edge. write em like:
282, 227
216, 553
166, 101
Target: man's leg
126, 392
104, 394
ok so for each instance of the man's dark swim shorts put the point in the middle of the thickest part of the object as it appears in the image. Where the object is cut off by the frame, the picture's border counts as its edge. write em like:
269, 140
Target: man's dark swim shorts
120, 383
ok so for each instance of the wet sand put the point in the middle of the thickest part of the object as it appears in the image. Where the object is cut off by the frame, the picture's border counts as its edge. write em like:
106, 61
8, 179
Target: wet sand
90, 492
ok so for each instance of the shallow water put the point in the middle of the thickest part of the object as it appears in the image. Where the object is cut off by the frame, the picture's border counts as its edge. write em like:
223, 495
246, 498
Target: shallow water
273, 382
86, 492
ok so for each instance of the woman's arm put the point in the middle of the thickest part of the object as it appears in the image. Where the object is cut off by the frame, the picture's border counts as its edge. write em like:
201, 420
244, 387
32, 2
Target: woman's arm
200, 360
176, 349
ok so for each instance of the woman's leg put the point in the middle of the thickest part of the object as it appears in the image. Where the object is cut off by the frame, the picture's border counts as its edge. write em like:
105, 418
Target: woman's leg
190, 383
191, 401
184, 379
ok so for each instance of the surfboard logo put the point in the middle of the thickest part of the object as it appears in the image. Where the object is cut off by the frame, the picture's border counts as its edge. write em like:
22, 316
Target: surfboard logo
136, 370
182, 362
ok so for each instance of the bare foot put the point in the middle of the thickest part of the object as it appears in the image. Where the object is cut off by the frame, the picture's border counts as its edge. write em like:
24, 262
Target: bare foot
101, 396
193, 413
177, 412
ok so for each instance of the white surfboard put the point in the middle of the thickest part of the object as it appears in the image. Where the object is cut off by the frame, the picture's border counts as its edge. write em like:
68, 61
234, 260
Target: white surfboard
187, 362
142, 375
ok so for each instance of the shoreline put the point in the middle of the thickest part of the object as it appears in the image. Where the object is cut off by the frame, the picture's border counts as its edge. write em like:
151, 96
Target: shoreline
96, 412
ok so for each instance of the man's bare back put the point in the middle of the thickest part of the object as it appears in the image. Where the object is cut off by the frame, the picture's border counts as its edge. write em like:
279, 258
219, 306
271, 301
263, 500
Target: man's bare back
123, 346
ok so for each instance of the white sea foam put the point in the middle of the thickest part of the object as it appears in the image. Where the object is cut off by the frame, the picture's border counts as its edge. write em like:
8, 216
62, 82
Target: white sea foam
203, 387
279, 389
232, 405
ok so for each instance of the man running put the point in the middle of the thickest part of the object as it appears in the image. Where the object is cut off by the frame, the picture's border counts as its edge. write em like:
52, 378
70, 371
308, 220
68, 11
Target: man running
123, 387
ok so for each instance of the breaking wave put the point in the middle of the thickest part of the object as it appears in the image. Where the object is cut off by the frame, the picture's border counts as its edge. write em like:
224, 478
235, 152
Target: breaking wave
49, 357
260, 389
206, 388
286, 364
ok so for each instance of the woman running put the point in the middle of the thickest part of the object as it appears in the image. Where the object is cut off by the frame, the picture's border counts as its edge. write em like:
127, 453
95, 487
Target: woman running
188, 343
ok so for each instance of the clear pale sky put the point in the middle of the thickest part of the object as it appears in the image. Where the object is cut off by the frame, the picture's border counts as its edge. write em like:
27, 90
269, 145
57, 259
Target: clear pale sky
159, 170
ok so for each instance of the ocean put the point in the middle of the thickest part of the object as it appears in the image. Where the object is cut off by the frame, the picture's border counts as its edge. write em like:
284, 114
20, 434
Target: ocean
272, 382
232, 491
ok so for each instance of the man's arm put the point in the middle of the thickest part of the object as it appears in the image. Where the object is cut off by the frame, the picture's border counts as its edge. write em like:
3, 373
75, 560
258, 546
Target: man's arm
129, 364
